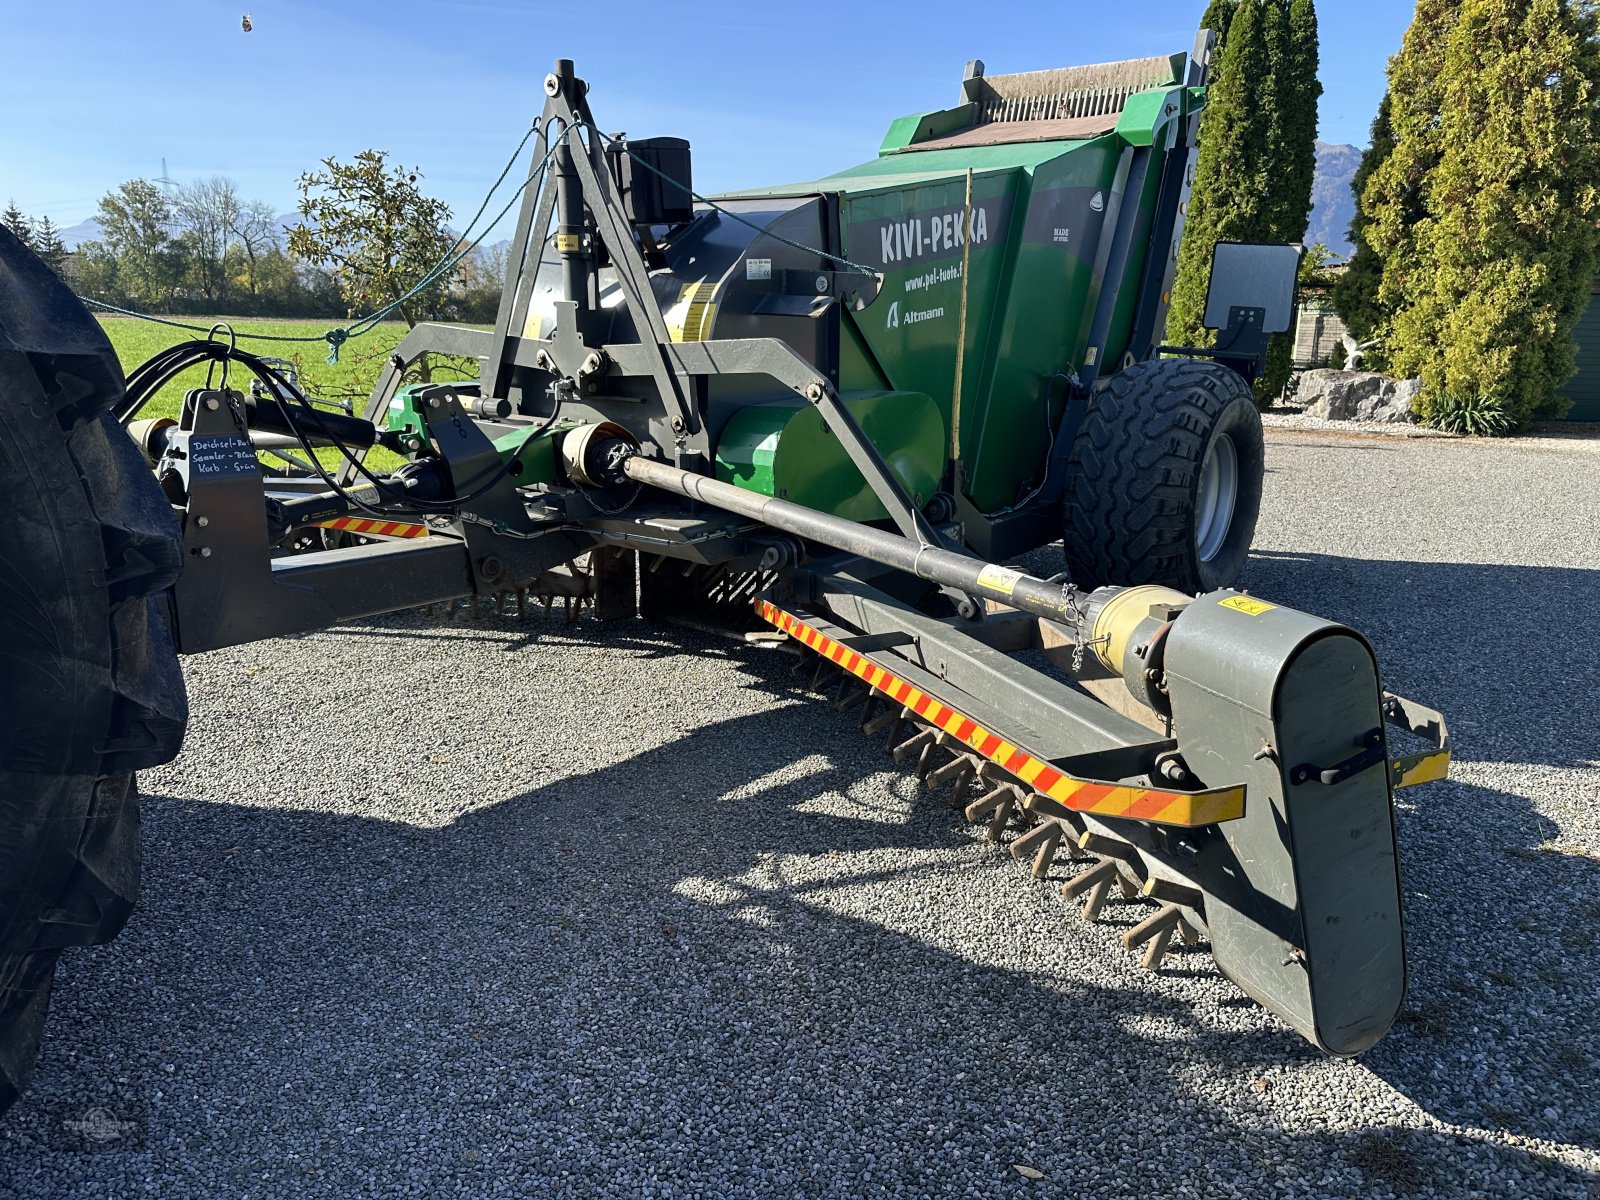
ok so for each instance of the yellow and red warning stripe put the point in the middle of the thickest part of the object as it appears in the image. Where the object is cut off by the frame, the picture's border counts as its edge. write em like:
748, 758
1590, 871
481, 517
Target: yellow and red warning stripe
1186, 809
370, 528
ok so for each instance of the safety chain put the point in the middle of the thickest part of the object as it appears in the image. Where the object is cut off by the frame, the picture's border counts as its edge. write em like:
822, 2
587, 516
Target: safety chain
1069, 602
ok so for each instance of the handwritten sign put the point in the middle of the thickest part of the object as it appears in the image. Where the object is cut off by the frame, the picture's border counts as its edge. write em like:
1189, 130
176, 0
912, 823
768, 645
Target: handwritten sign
216, 457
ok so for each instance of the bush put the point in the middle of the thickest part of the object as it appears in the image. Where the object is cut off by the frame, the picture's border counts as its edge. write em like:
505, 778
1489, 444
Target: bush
1476, 415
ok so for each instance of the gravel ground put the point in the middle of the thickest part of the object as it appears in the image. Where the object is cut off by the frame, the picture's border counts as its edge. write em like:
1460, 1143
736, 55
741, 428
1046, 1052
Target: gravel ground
1297, 419
614, 911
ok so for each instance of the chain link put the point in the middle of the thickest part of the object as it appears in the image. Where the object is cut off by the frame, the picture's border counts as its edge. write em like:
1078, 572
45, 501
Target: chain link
1069, 603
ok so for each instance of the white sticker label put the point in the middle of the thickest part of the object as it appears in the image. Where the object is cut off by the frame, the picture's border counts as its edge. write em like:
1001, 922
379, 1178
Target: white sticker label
758, 268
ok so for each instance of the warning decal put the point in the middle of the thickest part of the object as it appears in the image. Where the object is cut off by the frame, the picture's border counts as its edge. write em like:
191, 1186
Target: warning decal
1249, 607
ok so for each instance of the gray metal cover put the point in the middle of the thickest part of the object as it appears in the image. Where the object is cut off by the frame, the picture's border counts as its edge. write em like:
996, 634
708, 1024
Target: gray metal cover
1303, 893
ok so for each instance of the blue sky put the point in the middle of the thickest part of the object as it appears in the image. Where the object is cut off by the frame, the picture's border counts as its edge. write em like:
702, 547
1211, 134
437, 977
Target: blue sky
95, 92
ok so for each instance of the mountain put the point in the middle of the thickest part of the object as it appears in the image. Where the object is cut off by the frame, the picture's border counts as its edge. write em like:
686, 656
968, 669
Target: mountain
74, 236
1333, 204
88, 229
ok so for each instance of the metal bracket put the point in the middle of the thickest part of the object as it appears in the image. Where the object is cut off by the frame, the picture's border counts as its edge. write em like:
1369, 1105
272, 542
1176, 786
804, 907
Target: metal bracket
491, 523
902, 510
233, 590
1408, 770
568, 108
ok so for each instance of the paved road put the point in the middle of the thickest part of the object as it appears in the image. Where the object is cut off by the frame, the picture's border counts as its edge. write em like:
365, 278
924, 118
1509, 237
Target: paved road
482, 910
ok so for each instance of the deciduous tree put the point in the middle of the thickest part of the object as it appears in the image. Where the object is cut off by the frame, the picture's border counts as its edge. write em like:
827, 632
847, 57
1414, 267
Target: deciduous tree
370, 223
135, 221
257, 233
208, 212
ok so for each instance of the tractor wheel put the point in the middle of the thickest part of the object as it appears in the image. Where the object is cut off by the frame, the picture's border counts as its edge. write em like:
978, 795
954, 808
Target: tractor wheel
89, 682
1165, 479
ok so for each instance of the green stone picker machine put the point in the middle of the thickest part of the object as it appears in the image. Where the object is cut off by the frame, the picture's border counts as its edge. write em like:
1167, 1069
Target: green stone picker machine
838, 410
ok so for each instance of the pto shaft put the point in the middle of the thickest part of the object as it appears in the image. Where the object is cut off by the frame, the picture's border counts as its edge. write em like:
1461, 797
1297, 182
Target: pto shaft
1052, 601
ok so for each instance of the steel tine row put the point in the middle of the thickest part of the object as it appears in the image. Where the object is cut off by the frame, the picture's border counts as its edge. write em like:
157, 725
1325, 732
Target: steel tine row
1103, 865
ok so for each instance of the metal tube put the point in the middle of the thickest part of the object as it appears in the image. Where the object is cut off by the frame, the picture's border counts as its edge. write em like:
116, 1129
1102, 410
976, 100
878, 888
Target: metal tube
570, 222
320, 426
973, 576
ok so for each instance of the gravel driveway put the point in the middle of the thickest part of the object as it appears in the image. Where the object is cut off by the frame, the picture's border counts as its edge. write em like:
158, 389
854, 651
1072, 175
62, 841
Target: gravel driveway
497, 910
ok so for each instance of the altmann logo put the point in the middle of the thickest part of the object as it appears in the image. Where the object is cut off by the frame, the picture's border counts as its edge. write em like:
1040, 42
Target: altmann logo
1098, 203
896, 318
916, 237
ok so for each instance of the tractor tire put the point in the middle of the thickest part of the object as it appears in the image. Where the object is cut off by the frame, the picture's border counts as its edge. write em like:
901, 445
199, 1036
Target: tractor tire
90, 688
1165, 479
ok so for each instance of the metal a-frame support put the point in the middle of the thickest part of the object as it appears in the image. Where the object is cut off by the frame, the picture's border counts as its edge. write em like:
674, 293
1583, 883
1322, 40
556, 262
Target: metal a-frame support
585, 203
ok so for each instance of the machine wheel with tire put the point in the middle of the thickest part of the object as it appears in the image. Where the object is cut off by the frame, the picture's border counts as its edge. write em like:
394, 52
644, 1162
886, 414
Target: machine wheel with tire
89, 680
1166, 476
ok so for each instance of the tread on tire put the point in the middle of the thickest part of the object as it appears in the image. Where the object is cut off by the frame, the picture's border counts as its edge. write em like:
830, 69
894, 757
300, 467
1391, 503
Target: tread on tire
89, 679
1132, 495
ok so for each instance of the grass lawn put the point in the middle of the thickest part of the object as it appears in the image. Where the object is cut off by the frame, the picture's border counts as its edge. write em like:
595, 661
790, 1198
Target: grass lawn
351, 378
360, 361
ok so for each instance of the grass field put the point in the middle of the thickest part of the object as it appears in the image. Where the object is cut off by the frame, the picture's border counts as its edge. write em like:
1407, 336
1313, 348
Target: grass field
360, 360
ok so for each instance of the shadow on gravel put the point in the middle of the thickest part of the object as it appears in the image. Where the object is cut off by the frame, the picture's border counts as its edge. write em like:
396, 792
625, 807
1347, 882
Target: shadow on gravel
615, 979
1507, 653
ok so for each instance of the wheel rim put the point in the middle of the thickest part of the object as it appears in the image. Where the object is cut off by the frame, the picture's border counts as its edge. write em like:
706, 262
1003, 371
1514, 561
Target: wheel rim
1219, 496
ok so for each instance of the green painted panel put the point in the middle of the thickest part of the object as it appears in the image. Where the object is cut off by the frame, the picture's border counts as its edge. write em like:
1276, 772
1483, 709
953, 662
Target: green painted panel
1584, 387
1039, 219
920, 127
1140, 249
1036, 227
1144, 114
1042, 321
783, 449
533, 458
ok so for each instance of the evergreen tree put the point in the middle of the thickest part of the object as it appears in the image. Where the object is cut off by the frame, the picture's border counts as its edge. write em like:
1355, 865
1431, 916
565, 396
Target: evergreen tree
1296, 90
1394, 199
1355, 295
1219, 15
1299, 92
1228, 202
47, 244
1257, 156
17, 223
1506, 249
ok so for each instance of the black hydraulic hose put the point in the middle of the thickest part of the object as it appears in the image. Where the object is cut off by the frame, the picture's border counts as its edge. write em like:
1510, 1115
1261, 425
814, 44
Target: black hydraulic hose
1053, 601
